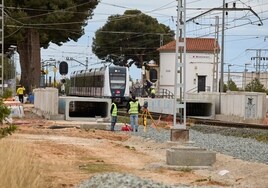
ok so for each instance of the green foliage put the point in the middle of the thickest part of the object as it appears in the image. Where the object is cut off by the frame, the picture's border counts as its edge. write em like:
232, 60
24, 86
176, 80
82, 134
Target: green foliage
31, 24
231, 85
55, 21
7, 93
130, 38
4, 111
4, 131
256, 86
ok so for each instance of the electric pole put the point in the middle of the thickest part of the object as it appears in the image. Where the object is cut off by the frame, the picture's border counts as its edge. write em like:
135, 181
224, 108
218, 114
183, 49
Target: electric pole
2, 47
180, 59
261, 62
224, 9
216, 56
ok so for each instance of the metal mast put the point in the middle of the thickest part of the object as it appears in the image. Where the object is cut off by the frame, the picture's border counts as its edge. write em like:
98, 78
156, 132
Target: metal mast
180, 65
2, 47
216, 56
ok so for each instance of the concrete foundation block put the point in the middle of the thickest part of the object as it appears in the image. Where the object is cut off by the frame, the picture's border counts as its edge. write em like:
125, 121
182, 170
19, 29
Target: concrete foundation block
180, 143
180, 135
190, 156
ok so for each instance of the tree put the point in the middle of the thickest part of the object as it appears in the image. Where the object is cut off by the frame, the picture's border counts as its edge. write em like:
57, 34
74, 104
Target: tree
31, 24
130, 38
231, 85
255, 85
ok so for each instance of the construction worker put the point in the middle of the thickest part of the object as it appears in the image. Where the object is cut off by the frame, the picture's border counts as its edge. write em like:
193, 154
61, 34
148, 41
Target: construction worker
20, 93
152, 92
113, 112
133, 109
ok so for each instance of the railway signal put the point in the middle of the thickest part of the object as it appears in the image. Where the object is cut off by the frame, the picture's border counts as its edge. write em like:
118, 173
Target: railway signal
63, 68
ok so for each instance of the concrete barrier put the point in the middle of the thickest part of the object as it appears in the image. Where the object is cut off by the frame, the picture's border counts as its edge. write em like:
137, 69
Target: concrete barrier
190, 156
85, 108
46, 101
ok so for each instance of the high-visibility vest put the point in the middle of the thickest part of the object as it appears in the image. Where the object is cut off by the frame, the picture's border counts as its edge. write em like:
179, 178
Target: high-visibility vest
20, 90
153, 91
134, 107
114, 112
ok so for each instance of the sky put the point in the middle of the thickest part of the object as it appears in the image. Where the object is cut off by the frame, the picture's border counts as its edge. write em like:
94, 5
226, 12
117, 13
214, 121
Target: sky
242, 33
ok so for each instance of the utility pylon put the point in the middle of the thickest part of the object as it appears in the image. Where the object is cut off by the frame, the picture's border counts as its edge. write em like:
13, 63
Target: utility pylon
225, 9
2, 47
180, 59
261, 62
216, 56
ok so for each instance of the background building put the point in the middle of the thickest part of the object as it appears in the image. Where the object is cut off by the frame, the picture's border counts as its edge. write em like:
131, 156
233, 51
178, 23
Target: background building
201, 63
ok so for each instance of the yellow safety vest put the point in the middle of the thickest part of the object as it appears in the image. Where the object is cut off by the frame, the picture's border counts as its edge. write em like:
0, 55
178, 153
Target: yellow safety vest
114, 112
20, 90
134, 107
153, 91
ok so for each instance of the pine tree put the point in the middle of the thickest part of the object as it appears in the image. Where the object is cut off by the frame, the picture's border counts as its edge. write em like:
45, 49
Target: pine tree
31, 24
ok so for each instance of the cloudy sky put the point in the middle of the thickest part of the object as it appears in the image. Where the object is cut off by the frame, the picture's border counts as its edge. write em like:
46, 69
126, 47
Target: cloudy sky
243, 35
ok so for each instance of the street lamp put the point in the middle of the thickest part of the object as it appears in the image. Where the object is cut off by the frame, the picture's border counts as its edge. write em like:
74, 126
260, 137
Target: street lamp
228, 82
245, 77
252, 73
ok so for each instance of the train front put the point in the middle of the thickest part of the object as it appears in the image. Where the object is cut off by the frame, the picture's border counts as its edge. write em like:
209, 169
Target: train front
119, 84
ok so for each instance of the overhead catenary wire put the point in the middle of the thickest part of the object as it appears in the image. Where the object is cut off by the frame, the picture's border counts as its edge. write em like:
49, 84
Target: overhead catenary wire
122, 38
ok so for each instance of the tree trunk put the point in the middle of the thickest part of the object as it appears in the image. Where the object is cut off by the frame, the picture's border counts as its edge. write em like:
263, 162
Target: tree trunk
29, 51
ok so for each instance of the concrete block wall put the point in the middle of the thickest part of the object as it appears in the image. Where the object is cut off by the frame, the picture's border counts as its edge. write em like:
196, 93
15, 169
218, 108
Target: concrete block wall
249, 107
46, 100
244, 105
165, 106
157, 105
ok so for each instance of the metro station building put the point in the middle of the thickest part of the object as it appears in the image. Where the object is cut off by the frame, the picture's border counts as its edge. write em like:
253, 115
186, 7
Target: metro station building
201, 57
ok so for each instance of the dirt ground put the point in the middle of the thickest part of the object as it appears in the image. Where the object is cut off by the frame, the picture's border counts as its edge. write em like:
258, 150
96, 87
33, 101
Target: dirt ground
70, 155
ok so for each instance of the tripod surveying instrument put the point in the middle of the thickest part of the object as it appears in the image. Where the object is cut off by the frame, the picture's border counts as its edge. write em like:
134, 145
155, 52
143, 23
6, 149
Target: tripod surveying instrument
145, 113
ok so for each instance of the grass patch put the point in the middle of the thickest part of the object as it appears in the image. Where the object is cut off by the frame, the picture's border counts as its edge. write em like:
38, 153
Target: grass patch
98, 167
7, 130
201, 180
131, 148
18, 167
123, 119
186, 169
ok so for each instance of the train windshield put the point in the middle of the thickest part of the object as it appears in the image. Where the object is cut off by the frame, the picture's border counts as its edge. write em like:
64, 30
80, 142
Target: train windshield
118, 82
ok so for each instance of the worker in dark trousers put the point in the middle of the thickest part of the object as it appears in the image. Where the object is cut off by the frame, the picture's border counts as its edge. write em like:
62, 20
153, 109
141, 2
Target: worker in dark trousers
113, 112
133, 109
20, 93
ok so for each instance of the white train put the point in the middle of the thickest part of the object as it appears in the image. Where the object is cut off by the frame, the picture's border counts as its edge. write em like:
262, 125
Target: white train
112, 82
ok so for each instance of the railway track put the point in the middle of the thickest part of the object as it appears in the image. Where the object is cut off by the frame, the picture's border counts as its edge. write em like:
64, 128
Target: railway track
164, 117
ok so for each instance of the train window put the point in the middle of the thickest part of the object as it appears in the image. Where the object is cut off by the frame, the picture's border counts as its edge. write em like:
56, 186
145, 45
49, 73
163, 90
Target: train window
87, 81
117, 81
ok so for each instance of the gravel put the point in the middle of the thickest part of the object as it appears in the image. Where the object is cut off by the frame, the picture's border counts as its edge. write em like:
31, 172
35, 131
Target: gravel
218, 139
119, 180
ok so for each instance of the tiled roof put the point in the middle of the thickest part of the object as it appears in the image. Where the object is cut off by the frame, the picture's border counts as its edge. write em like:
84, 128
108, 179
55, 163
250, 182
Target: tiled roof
192, 45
